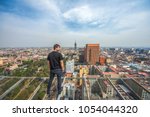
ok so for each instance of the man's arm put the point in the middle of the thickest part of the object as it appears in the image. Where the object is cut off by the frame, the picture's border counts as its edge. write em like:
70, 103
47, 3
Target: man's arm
49, 65
62, 65
48, 62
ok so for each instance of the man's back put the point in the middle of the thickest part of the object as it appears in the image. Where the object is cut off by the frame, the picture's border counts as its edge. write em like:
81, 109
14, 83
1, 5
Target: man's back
54, 58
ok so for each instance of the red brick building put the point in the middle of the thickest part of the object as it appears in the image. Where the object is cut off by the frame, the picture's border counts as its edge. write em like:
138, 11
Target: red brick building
102, 60
91, 53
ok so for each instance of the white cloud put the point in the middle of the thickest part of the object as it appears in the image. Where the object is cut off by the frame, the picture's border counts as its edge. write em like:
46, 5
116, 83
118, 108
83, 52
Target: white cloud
133, 20
81, 14
111, 17
88, 14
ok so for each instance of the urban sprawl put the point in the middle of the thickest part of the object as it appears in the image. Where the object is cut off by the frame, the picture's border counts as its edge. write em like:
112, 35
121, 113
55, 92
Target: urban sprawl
92, 73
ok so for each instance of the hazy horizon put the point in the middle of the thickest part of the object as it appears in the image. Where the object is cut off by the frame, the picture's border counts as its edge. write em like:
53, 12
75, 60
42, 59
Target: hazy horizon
77, 47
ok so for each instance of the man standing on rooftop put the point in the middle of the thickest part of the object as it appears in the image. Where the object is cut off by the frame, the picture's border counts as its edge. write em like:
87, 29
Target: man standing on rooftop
56, 66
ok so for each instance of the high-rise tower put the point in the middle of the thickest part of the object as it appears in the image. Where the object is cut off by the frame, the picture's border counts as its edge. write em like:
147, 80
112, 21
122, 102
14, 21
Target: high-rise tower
75, 46
91, 53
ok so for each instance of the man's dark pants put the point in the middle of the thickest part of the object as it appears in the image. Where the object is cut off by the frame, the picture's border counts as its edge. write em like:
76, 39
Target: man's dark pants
57, 72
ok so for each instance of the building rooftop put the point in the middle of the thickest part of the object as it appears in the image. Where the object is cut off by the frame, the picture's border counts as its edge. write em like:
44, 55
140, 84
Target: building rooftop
92, 44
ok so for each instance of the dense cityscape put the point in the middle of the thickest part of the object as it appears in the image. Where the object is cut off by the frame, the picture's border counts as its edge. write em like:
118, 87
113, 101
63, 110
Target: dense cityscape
92, 73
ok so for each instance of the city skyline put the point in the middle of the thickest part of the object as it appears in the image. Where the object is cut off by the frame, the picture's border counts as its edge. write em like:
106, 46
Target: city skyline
118, 23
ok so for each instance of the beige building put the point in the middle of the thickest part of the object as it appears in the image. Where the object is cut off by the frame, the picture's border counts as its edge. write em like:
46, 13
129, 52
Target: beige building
1, 62
109, 61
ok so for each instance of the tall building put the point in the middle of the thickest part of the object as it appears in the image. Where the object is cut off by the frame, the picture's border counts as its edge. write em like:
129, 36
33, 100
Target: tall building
137, 85
75, 46
69, 91
83, 70
81, 56
91, 53
107, 88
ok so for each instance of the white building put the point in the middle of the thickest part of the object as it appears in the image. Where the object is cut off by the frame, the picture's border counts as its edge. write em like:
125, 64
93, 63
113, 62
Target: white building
70, 66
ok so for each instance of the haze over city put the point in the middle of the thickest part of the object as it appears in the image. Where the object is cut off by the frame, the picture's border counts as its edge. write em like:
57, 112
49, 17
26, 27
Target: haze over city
41, 23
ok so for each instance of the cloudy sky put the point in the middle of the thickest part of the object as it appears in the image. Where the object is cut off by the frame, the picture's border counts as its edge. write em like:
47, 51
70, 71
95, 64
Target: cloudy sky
41, 23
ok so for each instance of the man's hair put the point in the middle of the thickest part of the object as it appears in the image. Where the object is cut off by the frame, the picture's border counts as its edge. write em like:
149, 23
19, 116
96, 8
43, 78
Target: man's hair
56, 46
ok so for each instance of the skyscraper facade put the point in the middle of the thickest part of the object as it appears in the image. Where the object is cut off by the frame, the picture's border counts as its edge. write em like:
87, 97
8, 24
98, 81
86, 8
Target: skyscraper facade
91, 53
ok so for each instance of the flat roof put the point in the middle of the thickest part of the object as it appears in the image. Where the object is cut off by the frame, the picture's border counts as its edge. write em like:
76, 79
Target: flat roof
92, 44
